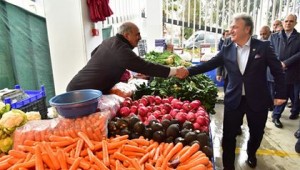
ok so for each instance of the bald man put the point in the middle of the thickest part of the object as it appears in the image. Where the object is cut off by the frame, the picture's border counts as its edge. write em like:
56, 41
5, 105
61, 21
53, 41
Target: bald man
111, 59
265, 33
277, 26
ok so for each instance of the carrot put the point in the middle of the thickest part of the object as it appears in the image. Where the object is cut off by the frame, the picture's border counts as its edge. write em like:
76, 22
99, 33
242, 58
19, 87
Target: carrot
26, 148
119, 138
156, 155
118, 165
17, 154
69, 148
28, 157
39, 165
62, 159
52, 157
171, 153
141, 141
47, 161
84, 164
61, 144
13, 160
90, 155
79, 146
54, 138
86, 140
168, 149
105, 153
117, 144
151, 146
135, 154
152, 152
159, 161
132, 143
29, 164
193, 167
4, 165
29, 142
75, 164
122, 157
37, 136
135, 163
144, 158
181, 152
148, 166
99, 163
194, 148
133, 149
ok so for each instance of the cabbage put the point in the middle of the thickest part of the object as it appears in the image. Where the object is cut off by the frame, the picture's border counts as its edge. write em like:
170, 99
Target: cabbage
12, 119
6, 144
4, 108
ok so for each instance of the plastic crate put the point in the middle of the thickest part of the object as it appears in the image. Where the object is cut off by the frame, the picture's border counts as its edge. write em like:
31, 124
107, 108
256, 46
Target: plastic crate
36, 101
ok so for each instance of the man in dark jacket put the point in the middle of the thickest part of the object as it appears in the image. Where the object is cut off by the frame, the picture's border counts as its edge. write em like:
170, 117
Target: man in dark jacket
111, 59
246, 61
286, 44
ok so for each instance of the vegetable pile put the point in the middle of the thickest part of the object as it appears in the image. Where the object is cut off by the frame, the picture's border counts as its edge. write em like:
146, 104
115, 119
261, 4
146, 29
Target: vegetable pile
114, 153
163, 120
8, 123
166, 58
198, 87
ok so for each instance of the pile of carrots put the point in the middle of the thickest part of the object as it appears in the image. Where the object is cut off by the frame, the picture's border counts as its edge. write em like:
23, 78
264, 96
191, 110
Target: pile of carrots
117, 153
94, 125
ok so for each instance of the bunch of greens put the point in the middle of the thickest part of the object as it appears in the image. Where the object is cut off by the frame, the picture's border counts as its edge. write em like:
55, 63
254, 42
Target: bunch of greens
198, 87
166, 58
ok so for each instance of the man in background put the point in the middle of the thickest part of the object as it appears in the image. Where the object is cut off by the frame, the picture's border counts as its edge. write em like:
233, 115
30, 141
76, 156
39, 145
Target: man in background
286, 44
265, 33
277, 26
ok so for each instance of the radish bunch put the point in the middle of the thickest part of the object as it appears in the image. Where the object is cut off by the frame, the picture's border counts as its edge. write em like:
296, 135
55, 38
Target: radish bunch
151, 107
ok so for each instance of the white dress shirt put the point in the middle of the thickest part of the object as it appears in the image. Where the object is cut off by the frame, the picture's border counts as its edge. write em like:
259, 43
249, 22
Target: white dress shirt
242, 58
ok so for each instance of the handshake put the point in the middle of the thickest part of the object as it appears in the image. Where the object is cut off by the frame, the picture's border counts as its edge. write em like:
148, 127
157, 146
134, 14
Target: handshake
181, 72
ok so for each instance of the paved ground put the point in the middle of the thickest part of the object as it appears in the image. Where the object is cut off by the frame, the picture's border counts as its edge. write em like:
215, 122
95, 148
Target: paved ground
277, 149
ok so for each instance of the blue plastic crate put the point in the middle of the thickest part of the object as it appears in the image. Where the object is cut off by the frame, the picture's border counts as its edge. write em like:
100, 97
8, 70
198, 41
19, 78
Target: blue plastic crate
34, 95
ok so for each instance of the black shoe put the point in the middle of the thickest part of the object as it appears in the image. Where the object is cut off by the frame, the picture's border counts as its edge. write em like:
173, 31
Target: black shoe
297, 146
294, 116
297, 134
239, 132
252, 161
277, 123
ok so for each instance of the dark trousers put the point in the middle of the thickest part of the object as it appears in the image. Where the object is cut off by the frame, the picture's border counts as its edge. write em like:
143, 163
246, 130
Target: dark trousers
232, 121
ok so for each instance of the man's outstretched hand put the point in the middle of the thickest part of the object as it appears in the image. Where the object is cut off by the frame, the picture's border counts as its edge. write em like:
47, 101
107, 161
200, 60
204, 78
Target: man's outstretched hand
181, 72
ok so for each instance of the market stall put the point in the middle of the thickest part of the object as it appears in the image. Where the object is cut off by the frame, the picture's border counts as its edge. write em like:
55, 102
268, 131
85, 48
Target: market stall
145, 126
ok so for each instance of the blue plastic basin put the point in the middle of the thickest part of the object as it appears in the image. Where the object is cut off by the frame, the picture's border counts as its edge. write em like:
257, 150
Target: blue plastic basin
76, 103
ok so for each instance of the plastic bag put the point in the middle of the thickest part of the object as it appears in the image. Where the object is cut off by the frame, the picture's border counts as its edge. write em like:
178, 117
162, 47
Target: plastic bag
110, 102
123, 89
93, 125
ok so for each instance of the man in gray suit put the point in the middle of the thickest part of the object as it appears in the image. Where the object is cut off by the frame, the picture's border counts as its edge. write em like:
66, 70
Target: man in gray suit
246, 61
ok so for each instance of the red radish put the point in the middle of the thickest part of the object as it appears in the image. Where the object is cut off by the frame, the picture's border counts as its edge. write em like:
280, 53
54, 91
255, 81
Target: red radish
134, 109
186, 107
157, 114
128, 98
144, 101
174, 112
164, 111
149, 108
204, 129
157, 100
151, 117
191, 117
178, 105
186, 101
135, 103
200, 120
126, 103
195, 104
142, 111
155, 107
170, 98
173, 101
165, 100
167, 116
196, 126
181, 117
124, 111
168, 107
151, 99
